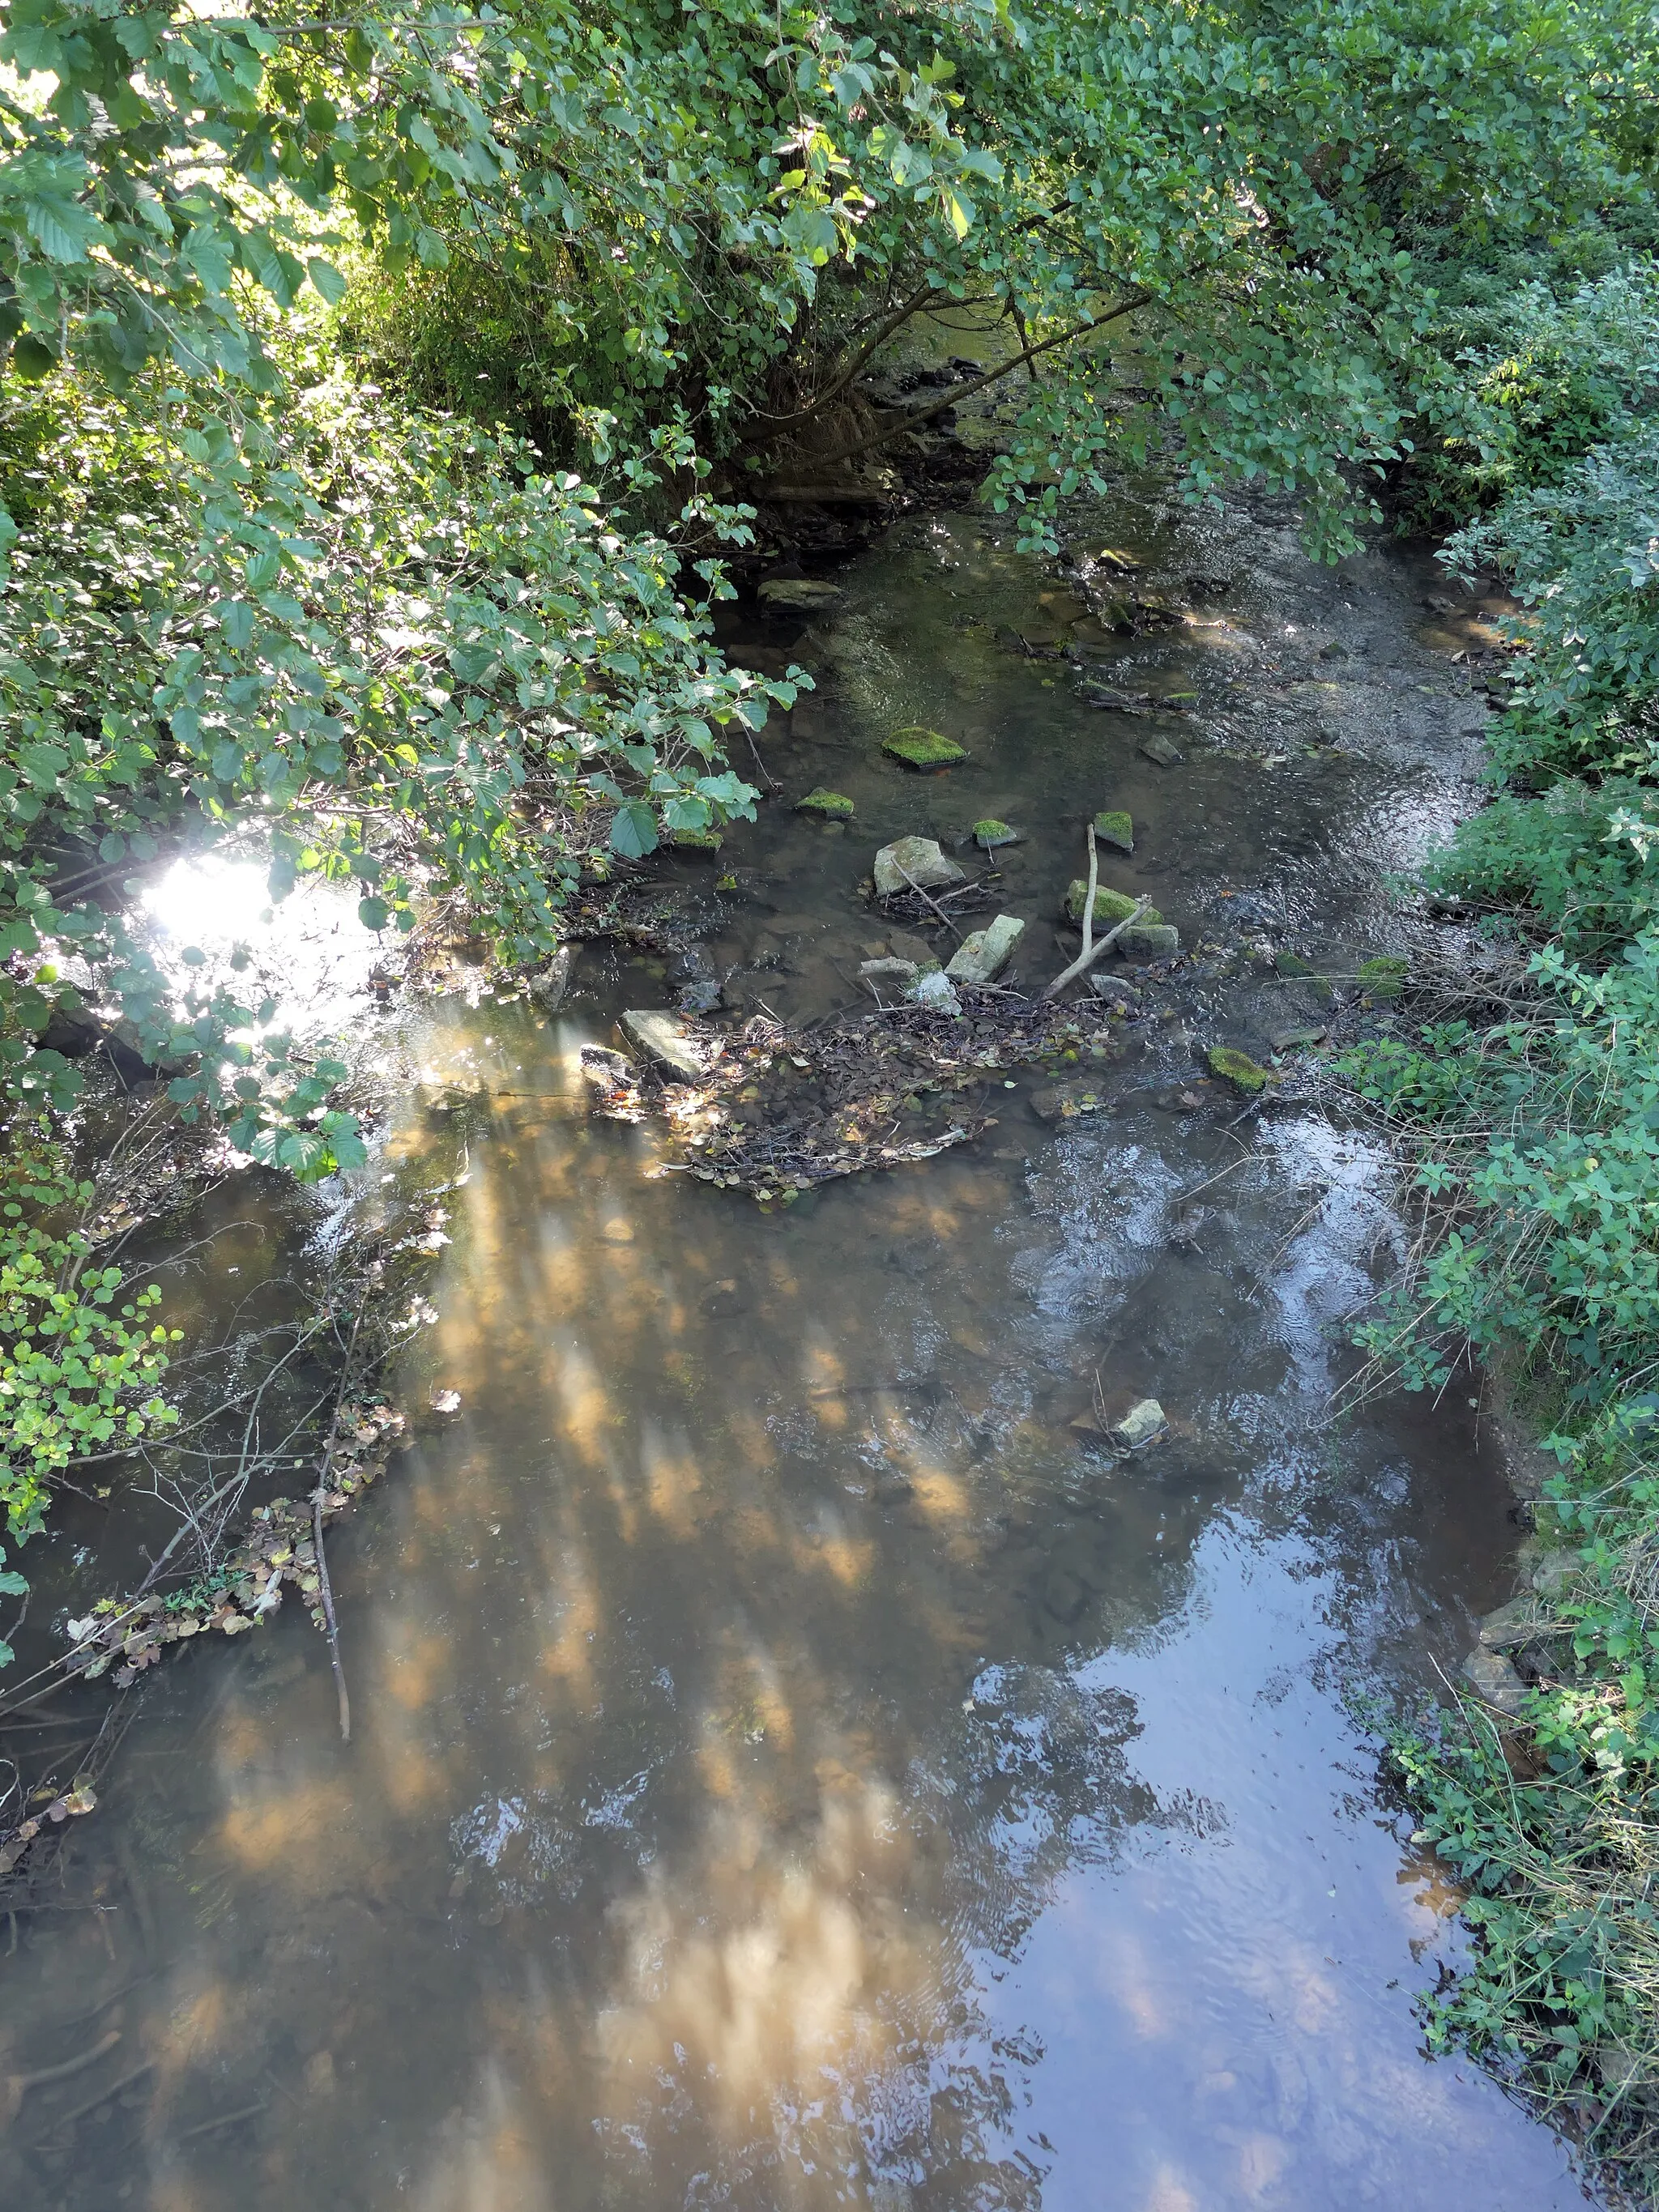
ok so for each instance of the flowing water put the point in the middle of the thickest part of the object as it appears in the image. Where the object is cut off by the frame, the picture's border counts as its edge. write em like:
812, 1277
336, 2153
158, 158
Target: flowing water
789, 1768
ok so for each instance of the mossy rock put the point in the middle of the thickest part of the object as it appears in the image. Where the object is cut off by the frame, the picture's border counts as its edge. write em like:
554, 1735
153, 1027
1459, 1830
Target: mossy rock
833, 803
924, 749
1115, 828
988, 835
1294, 969
695, 841
1110, 906
1384, 977
1236, 1067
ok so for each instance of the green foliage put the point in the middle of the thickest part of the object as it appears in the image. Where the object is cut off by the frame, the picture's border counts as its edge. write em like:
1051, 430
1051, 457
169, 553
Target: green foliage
1577, 864
728, 213
1583, 558
1530, 381
356, 620
80, 1373
1539, 1138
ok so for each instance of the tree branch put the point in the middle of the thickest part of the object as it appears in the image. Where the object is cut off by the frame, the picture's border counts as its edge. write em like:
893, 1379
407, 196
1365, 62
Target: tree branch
915, 415
884, 331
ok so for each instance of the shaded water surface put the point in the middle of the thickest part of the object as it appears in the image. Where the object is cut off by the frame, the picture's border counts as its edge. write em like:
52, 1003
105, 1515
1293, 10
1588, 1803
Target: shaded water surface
789, 1769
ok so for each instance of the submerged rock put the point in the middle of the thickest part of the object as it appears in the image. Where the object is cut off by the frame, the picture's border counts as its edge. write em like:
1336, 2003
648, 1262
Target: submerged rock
918, 858
1114, 827
990, 833
1144, 1420
1290, 1040
1162, 750
1297, 969
1150, 940
982, 957
920, 747
664, 1038
1496, 1680
933, 989
1123, 998
1110, 906
903, 946
833, 803
1065, 1102
804, 595
1236, 1067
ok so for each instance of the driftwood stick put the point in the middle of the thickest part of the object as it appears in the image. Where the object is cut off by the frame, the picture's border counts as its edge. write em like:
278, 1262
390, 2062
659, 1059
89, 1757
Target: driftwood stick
1101, 944
932, 903
90, 2104
324, 1585
19, 2085
1092, 951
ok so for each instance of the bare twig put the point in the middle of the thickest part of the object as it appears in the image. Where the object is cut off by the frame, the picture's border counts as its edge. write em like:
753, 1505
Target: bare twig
324, 1586
927, 901
1091, 949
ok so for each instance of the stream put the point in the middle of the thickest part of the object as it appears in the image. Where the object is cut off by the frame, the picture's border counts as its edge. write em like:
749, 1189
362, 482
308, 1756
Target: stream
790, 1767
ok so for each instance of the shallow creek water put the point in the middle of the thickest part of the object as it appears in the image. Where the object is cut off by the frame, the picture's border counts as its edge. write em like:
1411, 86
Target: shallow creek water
788, 1769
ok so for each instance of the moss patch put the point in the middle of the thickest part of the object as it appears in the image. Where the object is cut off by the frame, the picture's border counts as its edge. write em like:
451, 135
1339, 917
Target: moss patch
835, 803
1110, 906
1384, 977
1115, 828
924, 749
989, 834
1238, 1067
1291, 965
695, 841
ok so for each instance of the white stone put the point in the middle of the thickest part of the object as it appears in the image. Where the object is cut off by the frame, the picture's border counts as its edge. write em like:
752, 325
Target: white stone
664, 1038
1139, 1425
935, 990
918, 858
982, 957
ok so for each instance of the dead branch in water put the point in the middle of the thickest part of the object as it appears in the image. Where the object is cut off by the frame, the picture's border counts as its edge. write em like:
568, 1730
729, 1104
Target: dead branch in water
1092, 951
324, 1586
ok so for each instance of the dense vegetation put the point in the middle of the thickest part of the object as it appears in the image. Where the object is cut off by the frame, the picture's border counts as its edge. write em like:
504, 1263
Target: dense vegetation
1529, 1104
381, 393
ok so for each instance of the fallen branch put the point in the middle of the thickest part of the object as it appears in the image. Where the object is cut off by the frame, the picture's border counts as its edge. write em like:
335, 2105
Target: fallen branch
927, 901
17, 2086
1092, 951
326, 1588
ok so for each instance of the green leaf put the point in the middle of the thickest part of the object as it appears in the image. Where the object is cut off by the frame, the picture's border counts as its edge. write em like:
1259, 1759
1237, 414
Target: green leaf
634, 830
33, 358
327, 280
